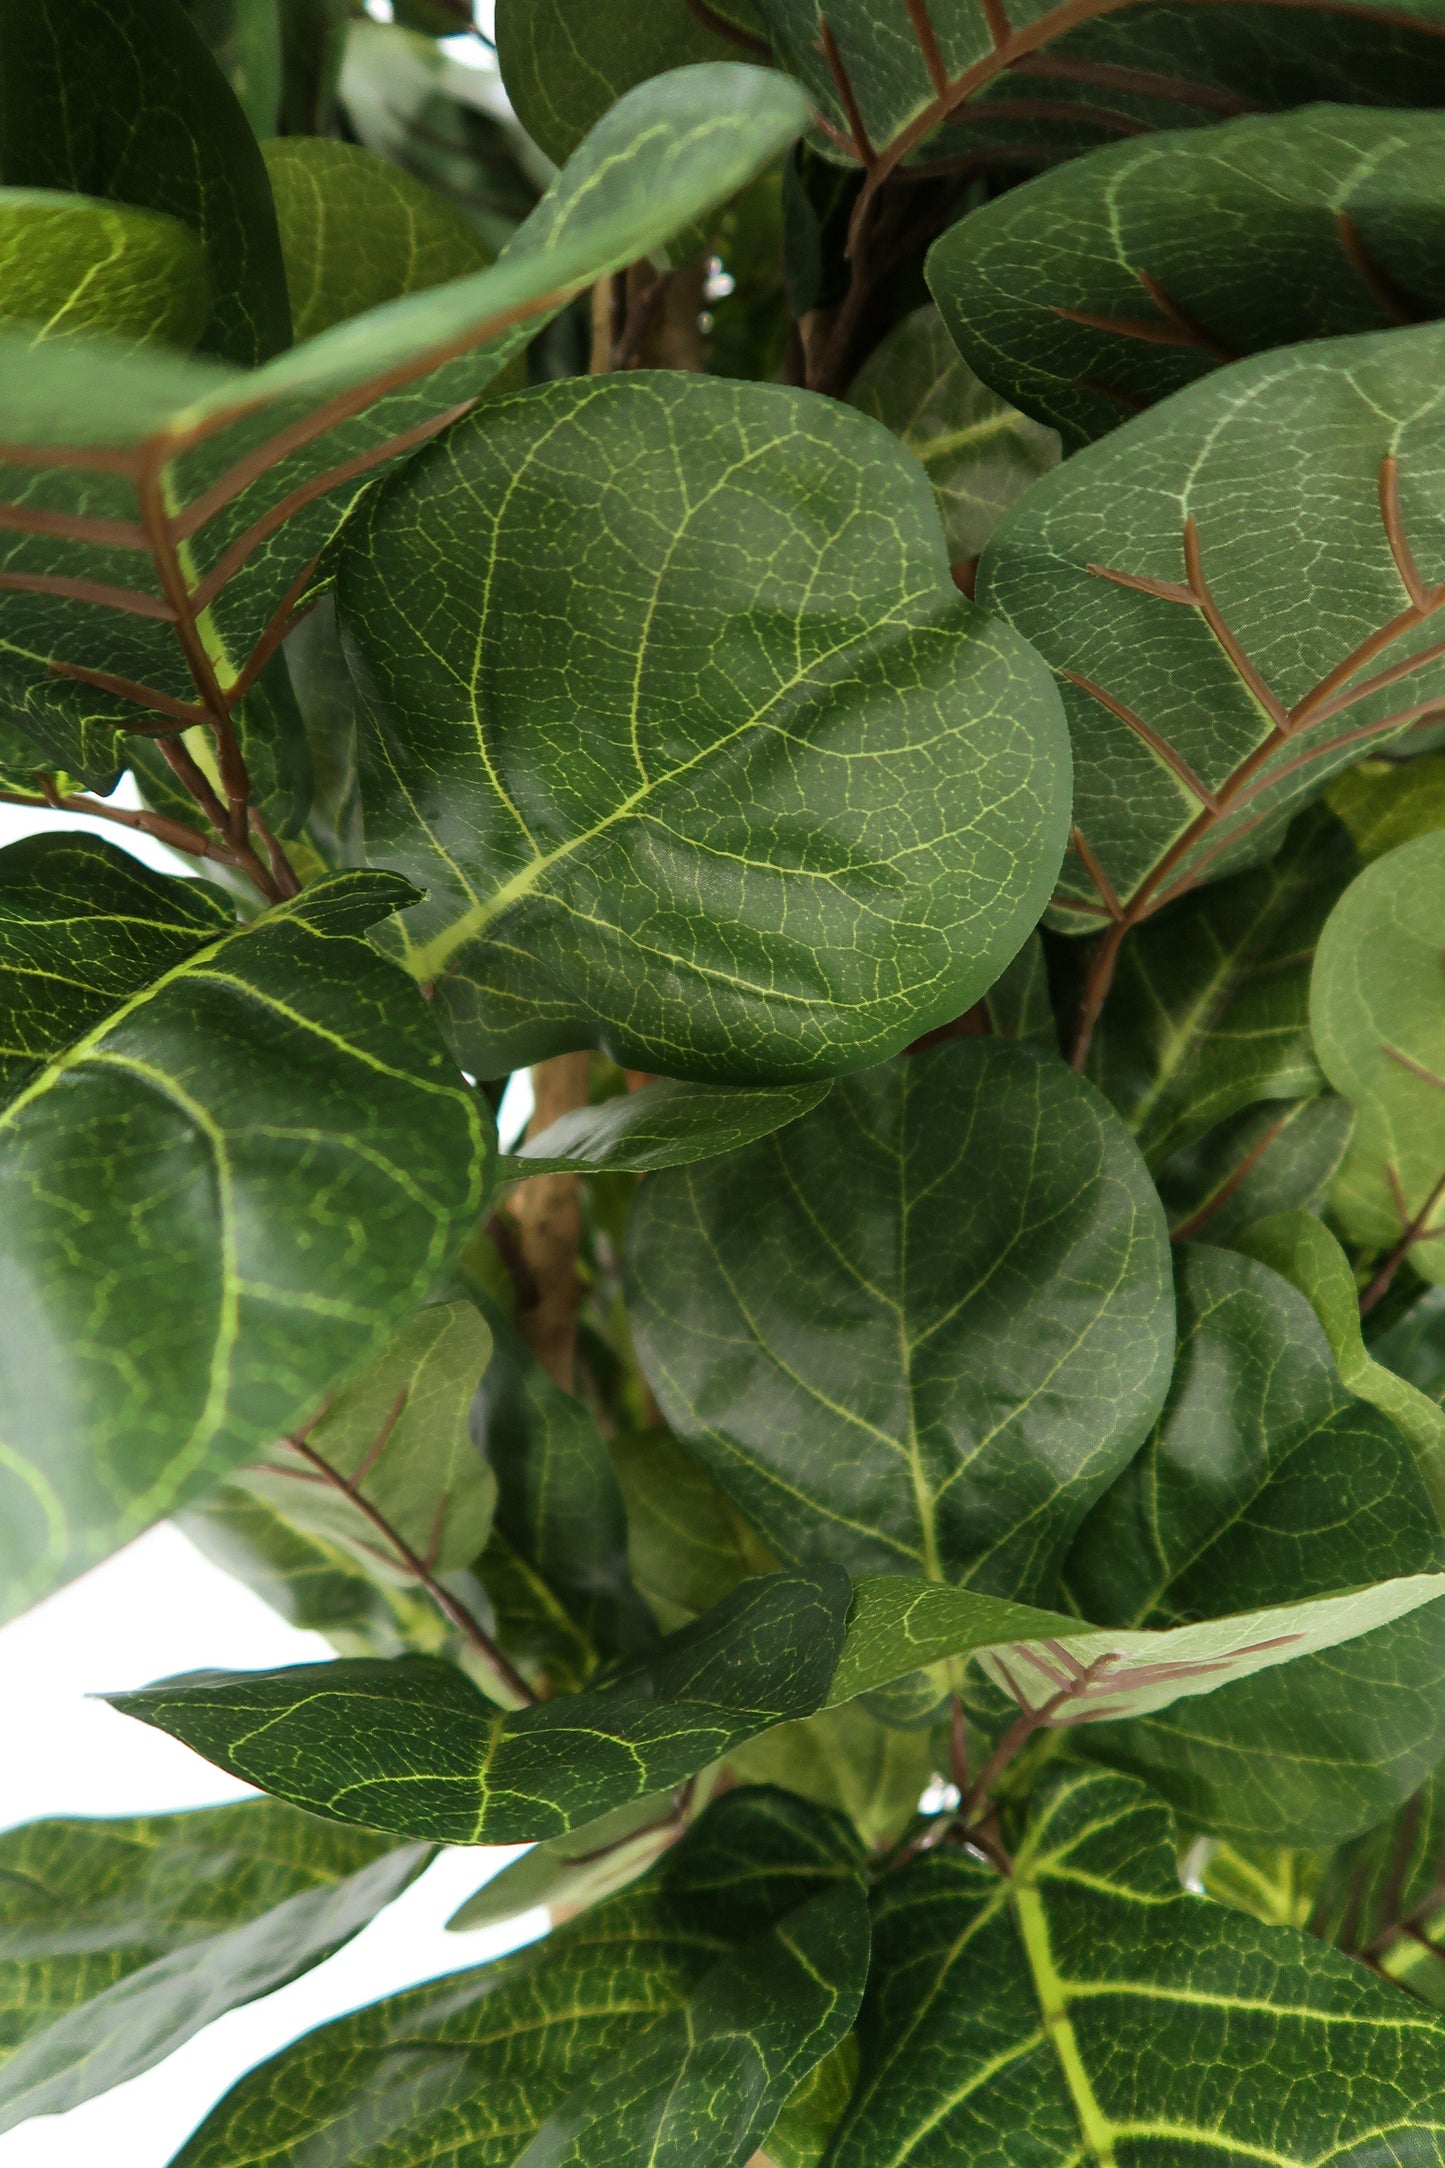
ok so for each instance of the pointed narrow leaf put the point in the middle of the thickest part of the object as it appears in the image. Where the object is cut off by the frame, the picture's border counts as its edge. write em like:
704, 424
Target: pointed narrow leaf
667, 1124
921, 1329
413, 1748
279, 1163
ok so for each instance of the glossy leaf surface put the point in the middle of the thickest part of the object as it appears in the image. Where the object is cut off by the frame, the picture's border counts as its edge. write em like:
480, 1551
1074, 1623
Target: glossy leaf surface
1216, 668
279, 1163
119, 1940
71, 264
780, 801
413, 1748
667, 1124
922, 1329
1090, 2010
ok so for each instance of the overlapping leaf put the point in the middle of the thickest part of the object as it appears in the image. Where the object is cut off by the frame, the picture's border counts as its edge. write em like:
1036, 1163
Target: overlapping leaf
1377, 1010
1089, 2010
476, 2062
669, 1124
778, 800
119, 1940
1386, 802
1237, 592
277, 1164
1102, 286
413, 1748
162, 519
73, 264
1265, 1483
1279, 1156
1382, 1896
921, 1329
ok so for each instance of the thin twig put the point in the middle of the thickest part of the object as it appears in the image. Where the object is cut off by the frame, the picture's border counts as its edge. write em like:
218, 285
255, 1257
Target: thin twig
1381, 1284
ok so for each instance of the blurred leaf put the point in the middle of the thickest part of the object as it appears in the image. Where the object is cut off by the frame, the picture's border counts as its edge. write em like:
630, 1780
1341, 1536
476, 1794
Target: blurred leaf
847, 1760
1385, 803
73, 264
667, 1124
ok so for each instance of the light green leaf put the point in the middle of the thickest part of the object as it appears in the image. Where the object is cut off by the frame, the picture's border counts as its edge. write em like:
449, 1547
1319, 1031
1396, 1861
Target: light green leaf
1276, 1157
119, 1940
780, 802
570, 1874
1304, 1251
1378, 1016
1209, 1010
278, 1163
470, 2065
1100, 287
564, 62
801, 2135
413, 1748
922, 1329
256, 471
845, 1759
357, 232
1089, 2010
71, 264
398, 1442
120, 99
667, 1124
1387, 802
1234, 591
977, 451
1266, 1485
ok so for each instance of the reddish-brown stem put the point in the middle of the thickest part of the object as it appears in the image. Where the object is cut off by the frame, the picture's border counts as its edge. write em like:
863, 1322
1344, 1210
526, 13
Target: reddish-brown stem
1384, 1279
1098, 985
173, 833
282, 871
928, 44
183, 712
847, 96
1023, 1728
106, 534
1190, 1227
130, 600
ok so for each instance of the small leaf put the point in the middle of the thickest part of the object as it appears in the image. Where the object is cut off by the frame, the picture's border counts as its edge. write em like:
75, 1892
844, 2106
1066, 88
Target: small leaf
1276, 1157
119, 1940
357, 232
977, 451
71, 264
920, 1330
277, 1165
1378, 1016
1102, 286
783, 799
667, 1124
1264, 1485
1214, 672
413, 1748
1088, 2009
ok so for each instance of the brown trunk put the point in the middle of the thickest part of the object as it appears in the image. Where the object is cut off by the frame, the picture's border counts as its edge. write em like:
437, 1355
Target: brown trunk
548, 1215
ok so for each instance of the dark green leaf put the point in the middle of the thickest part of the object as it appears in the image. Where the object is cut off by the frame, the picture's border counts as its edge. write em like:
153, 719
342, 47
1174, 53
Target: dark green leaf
1379, 1029
922, 1329
1265, 1483
466, 2068
781, 801
1414, 1346
1233, 591
119, 1940
1100, 287
218, 1203
845, 1759
1089, 2010
686, 1544
413, 1748
120, 99
357, 232
977, 451
669, 1124
72, 264
1382, 1895
1276, 1157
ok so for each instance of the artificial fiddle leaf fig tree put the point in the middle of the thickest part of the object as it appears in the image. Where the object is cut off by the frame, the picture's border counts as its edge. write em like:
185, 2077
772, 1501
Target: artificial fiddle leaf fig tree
860, 614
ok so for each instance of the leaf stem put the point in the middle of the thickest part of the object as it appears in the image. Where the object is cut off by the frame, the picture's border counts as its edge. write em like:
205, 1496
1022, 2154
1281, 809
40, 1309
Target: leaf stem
173, 833
1381, 1284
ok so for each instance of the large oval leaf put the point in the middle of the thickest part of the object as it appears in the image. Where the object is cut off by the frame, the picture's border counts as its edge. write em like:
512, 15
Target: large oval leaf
226, 1184
771, 799
1237, 593
1096, 289
922, 1329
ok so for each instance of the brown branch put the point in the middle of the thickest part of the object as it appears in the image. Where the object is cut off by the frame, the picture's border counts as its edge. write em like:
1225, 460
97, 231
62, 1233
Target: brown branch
173, 833
1415, 1232
1148, 735
1000, 29
848, 97
1410, 576
142, 696
1098, 985
1249, 676
1029, 1721
928, 44
547, 1215
1096, 873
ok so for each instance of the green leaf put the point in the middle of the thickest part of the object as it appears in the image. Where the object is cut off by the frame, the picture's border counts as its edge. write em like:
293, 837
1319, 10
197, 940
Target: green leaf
1379, 1029
1098, 288
394, 1449
245, 38
357, 232
781, 801
801, 2135
192, 503
71, 264
1234, 592
1304, 1251
1384, 802
1382, 1895
1277, 1157
686, 1545
1414, 1346
119, 1940
1266, 1484
570, 1874
564, 62
469, 2066
1209, 1010
922, 1329
219, 1201
413, 1748
120, 99
977, 451
845, 1759
1089, 2010
667, 1124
